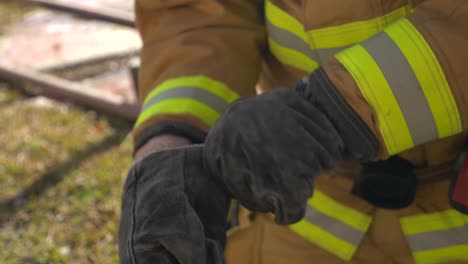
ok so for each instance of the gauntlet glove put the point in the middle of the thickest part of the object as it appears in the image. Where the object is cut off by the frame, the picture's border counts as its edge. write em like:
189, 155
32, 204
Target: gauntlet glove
172, 211
267, 149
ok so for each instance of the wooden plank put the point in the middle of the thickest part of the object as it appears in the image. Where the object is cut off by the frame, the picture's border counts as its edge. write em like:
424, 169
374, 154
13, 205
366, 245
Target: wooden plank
101, 13
69, 91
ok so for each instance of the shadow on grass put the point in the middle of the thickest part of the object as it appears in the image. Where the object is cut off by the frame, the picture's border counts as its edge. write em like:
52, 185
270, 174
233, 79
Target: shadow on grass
55, 175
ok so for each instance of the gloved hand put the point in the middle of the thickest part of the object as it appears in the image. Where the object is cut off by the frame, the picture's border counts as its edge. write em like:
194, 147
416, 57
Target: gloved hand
172, 211
267, 149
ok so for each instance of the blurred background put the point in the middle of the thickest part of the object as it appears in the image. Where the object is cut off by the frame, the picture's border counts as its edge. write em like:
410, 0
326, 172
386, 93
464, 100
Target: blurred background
67, 104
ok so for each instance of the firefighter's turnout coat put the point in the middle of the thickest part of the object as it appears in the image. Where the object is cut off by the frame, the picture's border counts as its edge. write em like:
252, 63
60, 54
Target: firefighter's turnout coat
402, 65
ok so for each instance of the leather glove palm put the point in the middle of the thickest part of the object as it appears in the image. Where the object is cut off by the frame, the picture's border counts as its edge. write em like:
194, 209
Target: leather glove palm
267, 149
172, 211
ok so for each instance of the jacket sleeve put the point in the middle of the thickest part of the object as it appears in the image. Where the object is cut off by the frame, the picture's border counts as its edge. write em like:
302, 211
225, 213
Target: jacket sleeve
198, 56
409, 83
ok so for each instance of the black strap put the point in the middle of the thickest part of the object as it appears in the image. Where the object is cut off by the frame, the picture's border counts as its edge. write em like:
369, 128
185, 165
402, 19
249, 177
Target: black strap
389, 184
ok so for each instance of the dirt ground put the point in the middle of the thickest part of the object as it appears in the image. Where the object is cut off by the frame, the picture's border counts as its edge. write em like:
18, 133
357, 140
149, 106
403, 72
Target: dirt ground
61, 175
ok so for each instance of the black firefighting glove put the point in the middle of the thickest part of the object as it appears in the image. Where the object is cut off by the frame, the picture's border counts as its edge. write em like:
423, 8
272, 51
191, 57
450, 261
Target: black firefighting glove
172, 211
267, 149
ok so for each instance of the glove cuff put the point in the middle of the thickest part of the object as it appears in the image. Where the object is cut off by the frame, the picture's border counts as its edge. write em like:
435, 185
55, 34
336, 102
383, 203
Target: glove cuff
361, 144
181, 129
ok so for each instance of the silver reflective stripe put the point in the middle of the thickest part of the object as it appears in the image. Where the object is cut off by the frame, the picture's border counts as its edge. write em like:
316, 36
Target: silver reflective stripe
291, 41
216, 103
405, 87
326, 54
439, 239
333, 226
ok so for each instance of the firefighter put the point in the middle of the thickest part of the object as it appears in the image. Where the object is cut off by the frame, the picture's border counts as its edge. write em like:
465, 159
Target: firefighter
348, 154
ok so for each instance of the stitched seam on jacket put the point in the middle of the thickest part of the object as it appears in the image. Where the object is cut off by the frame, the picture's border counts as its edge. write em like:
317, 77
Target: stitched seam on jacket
442, 53
374, 96
343, 107
433, 74
352, 115
133, 222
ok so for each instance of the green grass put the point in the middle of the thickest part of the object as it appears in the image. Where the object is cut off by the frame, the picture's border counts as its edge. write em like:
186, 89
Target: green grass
61, 174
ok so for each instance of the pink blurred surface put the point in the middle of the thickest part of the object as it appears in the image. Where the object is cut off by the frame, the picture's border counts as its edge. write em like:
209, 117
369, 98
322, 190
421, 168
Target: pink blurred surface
125, 5
47, 39
116, 82
44, 39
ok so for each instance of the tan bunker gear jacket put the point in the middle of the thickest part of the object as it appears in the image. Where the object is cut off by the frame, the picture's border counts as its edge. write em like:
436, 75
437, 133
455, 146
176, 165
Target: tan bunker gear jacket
402, 65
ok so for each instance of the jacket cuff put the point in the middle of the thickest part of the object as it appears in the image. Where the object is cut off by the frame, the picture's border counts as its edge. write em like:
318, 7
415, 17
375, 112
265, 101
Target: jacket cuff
177, 128
361, 143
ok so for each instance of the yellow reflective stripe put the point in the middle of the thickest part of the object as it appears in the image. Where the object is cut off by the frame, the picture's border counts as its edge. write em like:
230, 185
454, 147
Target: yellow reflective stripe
432, 222
442, 255
292, 57
437, 237
332, 226
347, 215
324, 239
180, 106
336, 37
286, 55
355, 32
169, 98
203, 82
379, 95
285, 21
430, 76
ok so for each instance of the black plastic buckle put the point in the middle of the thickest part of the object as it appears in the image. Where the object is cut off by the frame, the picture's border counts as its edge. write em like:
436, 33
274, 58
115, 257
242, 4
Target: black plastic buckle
458, 193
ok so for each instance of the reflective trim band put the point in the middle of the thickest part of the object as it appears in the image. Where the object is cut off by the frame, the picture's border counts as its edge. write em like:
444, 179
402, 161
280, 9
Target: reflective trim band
292, 57
180, 106
285, 21
433, 222
199, 96
203, 82
442, 255
203, 96
290, 40
287, 40
429, 74
401, 79
332, 226
437, 237
290, 49
368, 76
332, 208
326, 54
405, 86
324, 239
345, 232
289, 43
355, 32
292, 45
